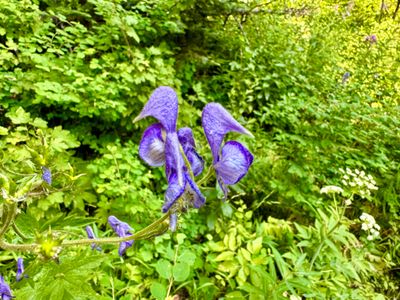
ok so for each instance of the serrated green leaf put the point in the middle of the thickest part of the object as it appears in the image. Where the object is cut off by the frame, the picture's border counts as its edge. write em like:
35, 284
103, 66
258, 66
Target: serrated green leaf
19, 116
40, 123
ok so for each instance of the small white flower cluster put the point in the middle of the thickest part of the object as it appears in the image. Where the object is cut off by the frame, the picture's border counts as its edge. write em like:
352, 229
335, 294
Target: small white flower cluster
369, 224
331, 189
360, 183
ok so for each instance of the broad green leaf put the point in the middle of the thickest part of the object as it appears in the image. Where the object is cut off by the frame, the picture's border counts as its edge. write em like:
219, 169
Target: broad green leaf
158, 290
3, 130
181, 271
19, 116
164, 268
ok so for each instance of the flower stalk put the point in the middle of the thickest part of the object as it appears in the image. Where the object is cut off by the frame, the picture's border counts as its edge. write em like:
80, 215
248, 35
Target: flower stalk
156, 228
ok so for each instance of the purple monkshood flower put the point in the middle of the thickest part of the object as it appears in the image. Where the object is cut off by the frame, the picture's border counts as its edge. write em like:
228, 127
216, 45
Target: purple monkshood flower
5, 291
46, 175
232, 160
345, 77
371, 38
20, 268
91, 235
122, 229
161, 144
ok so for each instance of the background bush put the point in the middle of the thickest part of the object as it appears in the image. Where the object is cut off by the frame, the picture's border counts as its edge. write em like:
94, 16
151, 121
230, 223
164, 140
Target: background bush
75, 73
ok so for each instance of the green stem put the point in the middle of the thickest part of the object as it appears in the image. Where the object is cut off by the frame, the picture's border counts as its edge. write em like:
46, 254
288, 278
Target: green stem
206, 177
10, 210
316, 254
154, 229
327, 235
18, 231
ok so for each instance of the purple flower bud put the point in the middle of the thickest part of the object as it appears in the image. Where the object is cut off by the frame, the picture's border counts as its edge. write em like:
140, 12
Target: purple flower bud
46, 175
20, 268
5, 291
372, 39
91, 235
173, 220
122, 229
345, 77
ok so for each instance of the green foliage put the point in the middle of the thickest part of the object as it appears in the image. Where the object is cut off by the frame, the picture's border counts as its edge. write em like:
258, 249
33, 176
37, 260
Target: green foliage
61, 281
74, 73
123, 185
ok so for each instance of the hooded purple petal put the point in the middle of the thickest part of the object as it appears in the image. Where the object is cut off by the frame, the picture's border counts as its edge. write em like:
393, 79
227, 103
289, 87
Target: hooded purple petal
5, 291
173, 192
173, 159
196, 162
122, 229
193, 194
20, 268
123, 246
185, 136
234, 162
152, 146
162, 105
217, 122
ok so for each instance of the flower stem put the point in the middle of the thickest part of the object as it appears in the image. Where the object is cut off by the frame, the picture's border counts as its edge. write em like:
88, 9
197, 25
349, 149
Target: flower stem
206, 177
18, 231
9, 210
156, 228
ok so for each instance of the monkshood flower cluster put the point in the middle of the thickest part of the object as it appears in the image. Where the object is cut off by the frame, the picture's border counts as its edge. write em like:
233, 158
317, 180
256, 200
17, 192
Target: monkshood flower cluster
162, 144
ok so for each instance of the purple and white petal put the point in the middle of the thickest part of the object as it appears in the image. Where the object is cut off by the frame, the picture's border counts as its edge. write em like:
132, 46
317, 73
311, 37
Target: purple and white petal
185, 136
173, 192
152, 146
173, 159
162, 105
217, 122
193, 192
196, 162
234, 162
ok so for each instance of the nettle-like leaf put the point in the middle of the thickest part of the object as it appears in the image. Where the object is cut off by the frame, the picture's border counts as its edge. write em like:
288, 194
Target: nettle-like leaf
67, 280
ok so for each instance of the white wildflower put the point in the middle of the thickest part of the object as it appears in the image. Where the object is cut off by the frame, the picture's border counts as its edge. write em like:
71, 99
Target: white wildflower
359, 182
347, 202
331, 189
369, 224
